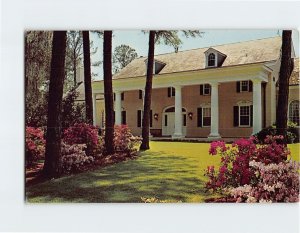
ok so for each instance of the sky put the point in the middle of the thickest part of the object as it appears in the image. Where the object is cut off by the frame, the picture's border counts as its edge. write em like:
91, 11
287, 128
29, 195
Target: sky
139, 41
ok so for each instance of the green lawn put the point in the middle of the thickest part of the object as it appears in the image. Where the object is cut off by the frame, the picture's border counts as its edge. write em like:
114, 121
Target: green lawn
170, 171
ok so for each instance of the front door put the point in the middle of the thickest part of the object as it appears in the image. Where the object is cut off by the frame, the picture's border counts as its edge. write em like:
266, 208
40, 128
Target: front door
168, 124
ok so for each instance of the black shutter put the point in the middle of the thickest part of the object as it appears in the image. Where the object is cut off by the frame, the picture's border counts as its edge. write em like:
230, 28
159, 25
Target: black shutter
114, 96
251, 115
201, 89
169, 91
139, 113
238, 87
114, 117
122, 96
235, 116
140, 94
250, 86
123, 117
150, 118
199, 117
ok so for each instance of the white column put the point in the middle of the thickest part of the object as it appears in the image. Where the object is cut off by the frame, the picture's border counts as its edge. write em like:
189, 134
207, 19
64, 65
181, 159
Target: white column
214, 128
94, 108
178, 113
118, 108
257, 109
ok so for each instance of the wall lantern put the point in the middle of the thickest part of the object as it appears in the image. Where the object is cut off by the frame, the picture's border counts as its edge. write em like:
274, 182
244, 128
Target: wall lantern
190, 115
156, 116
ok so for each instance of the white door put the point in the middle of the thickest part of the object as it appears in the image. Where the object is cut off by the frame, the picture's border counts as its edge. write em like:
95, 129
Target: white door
168, 124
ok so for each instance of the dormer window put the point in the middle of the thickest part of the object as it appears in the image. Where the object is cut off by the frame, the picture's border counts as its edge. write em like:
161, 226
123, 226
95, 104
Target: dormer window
214, 58
157, 66
211, 60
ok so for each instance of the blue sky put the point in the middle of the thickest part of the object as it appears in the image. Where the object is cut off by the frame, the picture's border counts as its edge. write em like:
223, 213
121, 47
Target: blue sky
139, 41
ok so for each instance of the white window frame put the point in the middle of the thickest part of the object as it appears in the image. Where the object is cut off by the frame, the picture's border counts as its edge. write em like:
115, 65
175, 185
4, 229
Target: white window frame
289, 109
241, 86
208, 60
249, 108
173, 88
206, 87
203, 108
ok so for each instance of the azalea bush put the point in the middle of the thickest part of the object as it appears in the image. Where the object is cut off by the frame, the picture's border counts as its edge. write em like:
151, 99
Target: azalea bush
273, 183
238, 165
82, 133
124, 140
74, 158
34, 145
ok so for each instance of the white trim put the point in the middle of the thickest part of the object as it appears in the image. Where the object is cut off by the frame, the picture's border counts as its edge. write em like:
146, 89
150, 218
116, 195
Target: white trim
288, 113
202, 108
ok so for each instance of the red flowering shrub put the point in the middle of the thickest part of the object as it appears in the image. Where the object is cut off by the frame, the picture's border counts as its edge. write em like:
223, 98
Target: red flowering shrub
34, 145
81, 133
74, 158
124, 140
234, 170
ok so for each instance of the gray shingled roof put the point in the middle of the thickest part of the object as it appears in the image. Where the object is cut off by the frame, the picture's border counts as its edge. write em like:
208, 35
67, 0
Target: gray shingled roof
254, 51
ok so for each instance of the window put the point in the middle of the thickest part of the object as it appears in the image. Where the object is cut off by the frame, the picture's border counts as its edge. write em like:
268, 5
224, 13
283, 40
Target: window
171, 91
294, 112
244, 119
244, 86
205, 89
122, 96
206, 116
211, 60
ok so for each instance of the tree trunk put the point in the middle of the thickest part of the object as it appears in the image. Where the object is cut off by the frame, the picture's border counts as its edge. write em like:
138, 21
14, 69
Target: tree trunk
74, 67
148, 93
108, 93
286, 69
52, 166
87, 78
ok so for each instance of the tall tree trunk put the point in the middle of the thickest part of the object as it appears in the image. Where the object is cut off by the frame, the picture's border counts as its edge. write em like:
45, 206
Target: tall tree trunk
286, 69
87, 78
108, 93
148, 93
74, 67
52, 166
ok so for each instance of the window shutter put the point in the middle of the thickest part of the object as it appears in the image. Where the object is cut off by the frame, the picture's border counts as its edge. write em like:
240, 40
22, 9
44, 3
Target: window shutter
140, 94
201, 89
235, 116
114, 96
150, 118
122, 96
251, 115
139, 113
250, 86
199, 117
123, 117
169, 91
238, 87
114, 117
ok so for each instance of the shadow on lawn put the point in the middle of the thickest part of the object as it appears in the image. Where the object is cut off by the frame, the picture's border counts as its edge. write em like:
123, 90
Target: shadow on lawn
153, 174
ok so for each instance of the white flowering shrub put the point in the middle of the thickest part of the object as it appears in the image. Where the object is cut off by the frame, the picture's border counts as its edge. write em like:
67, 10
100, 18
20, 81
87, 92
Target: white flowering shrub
74, 158
273, 183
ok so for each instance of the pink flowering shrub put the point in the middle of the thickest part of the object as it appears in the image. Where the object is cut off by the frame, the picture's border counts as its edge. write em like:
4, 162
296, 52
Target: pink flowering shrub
273, 183
234, 170
74, 158
34, 144
124, 140
82, 133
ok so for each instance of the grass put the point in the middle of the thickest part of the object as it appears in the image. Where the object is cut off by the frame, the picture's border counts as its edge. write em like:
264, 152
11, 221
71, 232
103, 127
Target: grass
170, 171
